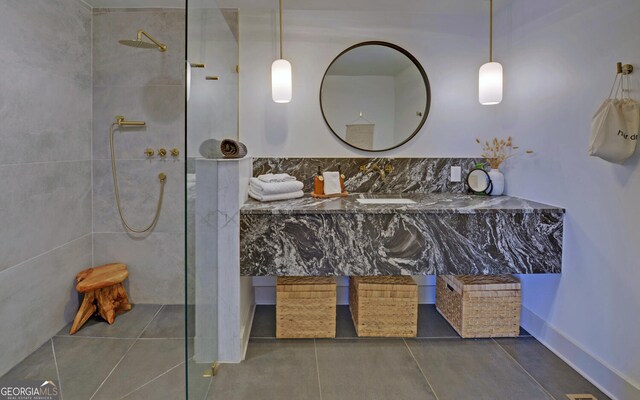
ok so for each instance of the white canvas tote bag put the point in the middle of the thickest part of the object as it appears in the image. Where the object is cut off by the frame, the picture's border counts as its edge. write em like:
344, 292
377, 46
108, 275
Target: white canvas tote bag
614, 129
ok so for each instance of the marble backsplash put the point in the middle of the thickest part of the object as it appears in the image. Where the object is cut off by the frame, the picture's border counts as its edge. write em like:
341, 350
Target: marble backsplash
409, 175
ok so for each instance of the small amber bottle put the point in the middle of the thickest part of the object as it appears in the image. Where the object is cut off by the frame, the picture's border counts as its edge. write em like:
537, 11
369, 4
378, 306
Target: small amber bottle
318, 183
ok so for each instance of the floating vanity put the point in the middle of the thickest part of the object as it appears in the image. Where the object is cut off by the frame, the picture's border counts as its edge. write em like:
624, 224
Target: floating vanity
409, 234
414, 221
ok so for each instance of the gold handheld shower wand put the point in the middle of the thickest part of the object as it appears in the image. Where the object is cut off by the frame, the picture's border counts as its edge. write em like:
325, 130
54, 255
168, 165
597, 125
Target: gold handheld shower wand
122, 122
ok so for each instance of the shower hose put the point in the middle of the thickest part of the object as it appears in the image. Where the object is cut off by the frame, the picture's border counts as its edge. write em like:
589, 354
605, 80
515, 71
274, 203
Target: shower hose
162, 177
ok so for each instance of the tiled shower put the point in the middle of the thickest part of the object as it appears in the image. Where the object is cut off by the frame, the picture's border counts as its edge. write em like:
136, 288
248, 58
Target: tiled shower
65, 79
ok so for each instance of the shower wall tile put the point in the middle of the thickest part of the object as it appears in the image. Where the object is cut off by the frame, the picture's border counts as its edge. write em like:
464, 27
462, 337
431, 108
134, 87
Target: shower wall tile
45, 116
46, 206
45, 168
155, 262
38, 298
48, 35
139, 192
162, 107
147, 85
118, 65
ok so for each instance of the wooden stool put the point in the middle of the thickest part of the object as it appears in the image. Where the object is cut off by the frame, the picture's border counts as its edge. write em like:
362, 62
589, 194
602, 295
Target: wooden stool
103, 291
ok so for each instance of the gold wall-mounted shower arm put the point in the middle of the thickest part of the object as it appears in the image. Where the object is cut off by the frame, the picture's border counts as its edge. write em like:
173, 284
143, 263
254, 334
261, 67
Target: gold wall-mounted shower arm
161, 46
121, 121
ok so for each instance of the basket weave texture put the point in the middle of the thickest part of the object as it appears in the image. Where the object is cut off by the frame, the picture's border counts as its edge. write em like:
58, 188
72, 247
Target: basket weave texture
480, 306
305, 307
384, 306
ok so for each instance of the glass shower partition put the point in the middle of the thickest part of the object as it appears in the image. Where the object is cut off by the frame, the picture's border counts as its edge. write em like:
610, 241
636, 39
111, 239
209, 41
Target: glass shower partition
212, 114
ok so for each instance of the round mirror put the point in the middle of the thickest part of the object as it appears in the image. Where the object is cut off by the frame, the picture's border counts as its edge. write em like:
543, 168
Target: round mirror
375, 96
479, 181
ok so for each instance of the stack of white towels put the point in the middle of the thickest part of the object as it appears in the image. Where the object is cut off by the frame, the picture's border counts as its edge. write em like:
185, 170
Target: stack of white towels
272, 187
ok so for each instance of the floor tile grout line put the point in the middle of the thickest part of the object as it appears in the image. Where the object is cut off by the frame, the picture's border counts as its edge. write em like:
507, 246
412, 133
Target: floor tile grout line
150, 321
315, 348
206, 393
161, 306
152, 380
125, 353
55, 362
114, 368
420, 368
120, 338
544, 390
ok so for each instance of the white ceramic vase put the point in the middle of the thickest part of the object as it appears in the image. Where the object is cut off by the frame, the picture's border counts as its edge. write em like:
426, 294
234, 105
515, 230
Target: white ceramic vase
497, 179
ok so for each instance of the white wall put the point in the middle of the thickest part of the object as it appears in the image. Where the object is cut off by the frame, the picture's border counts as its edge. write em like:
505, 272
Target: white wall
559, 58
559, 62
450, 47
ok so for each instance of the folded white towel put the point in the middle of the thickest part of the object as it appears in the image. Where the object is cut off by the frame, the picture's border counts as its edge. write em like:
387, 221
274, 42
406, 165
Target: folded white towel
331, 182
261, 187
276, 178
275, 197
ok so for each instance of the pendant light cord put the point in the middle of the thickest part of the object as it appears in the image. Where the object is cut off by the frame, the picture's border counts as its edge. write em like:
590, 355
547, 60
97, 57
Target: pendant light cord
281, 29
490, 30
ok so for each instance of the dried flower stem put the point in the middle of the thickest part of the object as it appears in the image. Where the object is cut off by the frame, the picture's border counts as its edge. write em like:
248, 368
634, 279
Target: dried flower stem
498, 151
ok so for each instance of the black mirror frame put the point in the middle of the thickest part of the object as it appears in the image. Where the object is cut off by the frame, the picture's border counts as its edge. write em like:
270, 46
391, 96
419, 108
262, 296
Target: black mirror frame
489, 188
425, 79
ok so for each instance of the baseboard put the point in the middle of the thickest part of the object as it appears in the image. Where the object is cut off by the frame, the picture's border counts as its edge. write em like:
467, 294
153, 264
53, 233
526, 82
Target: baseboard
606, 378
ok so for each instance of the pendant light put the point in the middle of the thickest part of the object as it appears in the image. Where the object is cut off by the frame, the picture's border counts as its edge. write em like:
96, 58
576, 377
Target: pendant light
281, 82
490, 76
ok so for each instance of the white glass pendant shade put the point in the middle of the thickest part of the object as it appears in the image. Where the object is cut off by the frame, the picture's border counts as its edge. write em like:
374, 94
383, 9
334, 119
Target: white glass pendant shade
281, 81
490, 84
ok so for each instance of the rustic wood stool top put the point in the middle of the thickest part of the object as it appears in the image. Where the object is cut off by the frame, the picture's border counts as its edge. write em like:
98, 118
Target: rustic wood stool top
101, 277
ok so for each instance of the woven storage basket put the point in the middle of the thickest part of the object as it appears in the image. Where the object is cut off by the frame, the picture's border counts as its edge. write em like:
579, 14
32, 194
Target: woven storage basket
480, 306
305, 307
384, 306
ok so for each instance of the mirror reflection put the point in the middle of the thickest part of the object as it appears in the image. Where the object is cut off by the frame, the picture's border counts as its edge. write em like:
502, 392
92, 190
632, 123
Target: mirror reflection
375, 96
479, 181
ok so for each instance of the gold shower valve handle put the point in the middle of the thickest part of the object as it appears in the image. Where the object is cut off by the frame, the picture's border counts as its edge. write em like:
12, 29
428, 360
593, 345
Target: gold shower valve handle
162, 152
149, 152
175, 152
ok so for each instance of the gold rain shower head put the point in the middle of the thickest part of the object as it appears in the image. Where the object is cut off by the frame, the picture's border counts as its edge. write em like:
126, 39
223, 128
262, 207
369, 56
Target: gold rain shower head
139, 43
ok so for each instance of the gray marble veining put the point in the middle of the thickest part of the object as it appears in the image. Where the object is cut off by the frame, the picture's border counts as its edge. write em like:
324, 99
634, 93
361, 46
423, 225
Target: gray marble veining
454, 203
441, 233
409, 175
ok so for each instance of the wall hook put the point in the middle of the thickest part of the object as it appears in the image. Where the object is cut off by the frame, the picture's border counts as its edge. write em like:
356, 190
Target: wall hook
625, 69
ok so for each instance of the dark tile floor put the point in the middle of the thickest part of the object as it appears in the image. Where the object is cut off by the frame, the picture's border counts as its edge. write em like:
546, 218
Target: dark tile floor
142, 357
436, 365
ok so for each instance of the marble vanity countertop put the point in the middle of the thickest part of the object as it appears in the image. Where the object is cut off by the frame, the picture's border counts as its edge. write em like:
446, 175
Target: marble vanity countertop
431, 203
